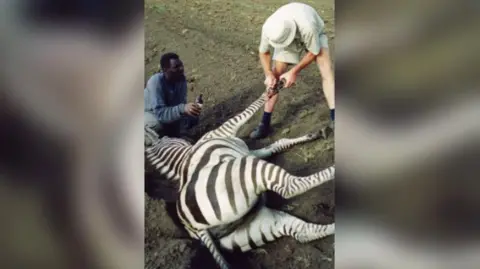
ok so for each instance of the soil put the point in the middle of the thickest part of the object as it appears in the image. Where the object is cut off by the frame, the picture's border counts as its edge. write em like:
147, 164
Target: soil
217, 40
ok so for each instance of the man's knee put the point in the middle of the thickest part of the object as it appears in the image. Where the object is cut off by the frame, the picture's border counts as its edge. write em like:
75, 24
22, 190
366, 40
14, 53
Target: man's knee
323, 58
151, 122
324, 63
279, 68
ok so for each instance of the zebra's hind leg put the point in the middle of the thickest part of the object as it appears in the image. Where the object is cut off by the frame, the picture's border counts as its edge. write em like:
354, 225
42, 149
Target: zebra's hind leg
269, 225
284, 144
263, 176
207, 240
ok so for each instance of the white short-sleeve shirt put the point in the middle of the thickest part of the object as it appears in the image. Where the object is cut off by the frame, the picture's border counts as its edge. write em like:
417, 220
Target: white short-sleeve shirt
310, 33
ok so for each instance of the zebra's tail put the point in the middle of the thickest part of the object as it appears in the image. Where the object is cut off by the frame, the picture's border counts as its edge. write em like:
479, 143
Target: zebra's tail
207, 241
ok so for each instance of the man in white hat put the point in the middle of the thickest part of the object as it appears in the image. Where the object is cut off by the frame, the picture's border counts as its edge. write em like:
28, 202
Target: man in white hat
291, 30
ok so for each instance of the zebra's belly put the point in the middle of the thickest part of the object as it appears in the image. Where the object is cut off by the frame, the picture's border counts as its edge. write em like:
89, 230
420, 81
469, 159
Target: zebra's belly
221, 210
221, 231
250, 234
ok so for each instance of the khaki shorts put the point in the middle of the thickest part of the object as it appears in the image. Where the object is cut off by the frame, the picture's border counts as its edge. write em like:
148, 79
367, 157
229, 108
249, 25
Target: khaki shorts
293, 56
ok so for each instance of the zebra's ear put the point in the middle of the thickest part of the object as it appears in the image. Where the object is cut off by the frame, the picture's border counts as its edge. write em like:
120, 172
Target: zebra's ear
165, 138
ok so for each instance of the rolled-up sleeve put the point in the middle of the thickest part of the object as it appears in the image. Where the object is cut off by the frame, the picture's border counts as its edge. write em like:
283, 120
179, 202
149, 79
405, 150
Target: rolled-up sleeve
311, 38
264, 45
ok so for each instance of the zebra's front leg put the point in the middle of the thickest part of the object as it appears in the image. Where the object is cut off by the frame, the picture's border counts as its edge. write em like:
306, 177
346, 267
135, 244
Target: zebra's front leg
269, 225
284, 144
231, 127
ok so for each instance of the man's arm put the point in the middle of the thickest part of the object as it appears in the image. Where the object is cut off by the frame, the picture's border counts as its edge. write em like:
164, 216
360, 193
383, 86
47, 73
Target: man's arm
192, 120
312, 42
306, 60
266, 60
163, 113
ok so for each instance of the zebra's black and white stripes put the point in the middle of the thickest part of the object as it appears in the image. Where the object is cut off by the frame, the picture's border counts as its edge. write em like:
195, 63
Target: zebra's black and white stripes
219, 192
268, 225
222, 182
167, 155
231, 126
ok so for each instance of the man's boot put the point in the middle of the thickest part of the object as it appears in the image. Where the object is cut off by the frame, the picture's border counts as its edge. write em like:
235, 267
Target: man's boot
261, 131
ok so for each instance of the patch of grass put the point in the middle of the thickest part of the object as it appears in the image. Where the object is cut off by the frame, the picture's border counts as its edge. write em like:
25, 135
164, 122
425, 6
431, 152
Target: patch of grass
306, 153
260, 251
159, 8
304, 260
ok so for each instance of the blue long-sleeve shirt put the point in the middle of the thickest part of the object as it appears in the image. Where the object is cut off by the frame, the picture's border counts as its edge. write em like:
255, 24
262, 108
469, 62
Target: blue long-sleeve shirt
165, 100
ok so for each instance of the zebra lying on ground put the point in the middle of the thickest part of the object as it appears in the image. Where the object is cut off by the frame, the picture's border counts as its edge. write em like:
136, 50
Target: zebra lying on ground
222, 186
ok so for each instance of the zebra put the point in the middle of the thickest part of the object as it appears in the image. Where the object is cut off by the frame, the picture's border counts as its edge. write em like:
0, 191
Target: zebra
222, 185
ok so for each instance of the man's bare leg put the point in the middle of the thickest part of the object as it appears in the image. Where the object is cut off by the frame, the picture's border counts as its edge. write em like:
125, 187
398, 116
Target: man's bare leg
263, 129
328, 79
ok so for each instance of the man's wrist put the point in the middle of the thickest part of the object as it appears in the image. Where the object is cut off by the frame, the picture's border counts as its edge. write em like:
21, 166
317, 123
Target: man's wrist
296, 69
182, 108
268, 73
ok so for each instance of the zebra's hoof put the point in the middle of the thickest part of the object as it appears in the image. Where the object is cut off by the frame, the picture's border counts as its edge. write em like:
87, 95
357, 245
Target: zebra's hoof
261, 132
326, 209
315, 135
327, 132
323, 133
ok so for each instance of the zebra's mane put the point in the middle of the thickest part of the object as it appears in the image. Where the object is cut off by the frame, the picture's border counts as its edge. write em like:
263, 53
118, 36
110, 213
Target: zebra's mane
174, 140
166, 140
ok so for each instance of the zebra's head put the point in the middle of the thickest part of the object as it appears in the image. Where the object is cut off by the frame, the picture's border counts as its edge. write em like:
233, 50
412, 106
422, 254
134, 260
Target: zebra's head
170, 140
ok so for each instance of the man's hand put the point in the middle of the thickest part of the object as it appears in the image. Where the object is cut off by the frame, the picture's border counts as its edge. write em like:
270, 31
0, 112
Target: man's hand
193, 109
270, 80
270, 93
290, 78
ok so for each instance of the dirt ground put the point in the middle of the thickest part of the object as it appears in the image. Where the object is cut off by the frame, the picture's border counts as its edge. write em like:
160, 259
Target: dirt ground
217, 41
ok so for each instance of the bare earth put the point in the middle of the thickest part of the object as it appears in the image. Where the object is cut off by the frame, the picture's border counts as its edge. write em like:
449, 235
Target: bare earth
217, 41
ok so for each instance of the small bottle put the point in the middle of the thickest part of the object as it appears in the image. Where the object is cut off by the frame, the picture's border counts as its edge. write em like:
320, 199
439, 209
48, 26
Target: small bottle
199, 100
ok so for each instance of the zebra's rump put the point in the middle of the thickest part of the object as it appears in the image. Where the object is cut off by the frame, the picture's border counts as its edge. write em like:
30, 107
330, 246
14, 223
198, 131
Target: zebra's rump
223, 230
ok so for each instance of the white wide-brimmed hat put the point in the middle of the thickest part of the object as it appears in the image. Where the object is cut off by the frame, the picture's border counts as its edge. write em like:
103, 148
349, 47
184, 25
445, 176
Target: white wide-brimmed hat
279, 31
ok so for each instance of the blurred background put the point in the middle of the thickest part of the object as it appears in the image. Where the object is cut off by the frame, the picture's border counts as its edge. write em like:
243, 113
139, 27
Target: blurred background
71, 136
407, 134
